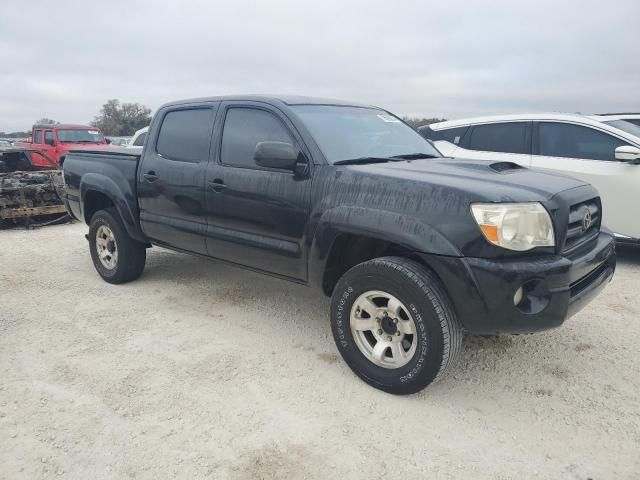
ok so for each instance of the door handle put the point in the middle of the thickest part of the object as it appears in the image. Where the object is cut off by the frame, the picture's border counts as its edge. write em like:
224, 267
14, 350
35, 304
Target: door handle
150, 176
217, 185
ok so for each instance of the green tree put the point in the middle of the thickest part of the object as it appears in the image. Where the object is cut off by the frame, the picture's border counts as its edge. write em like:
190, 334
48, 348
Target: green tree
47, 121
419, 122
117, 119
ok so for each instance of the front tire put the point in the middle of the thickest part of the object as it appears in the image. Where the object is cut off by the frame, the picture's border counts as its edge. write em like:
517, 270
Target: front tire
394, 325
116, 256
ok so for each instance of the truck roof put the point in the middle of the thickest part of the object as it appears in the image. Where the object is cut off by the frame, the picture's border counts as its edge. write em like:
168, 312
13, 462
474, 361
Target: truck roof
286, 99
68, 126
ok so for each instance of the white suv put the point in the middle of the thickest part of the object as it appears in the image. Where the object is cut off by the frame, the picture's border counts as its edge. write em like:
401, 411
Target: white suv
584, 147
138, 138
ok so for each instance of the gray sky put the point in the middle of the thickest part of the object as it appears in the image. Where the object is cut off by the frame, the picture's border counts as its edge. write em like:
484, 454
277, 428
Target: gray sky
63, 59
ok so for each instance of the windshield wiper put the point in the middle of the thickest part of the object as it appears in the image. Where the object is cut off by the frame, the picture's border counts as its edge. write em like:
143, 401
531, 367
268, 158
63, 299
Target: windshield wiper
363, 160
415, 156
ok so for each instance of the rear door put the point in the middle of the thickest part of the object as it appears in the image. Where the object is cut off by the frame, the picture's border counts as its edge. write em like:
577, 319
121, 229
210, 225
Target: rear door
171, 177
257, 217
501, 141
589, 154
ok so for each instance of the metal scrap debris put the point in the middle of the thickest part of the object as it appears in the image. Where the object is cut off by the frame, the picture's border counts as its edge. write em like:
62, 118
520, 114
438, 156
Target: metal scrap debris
27, 195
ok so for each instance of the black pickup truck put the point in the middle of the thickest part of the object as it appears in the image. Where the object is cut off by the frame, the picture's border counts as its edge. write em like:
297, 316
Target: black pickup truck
413, 248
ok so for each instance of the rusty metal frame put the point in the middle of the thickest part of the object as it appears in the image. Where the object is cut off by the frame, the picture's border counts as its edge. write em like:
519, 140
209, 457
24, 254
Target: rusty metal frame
31, 211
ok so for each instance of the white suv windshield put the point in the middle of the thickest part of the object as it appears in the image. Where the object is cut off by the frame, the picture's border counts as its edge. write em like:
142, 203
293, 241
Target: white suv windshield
345, 133
625, 127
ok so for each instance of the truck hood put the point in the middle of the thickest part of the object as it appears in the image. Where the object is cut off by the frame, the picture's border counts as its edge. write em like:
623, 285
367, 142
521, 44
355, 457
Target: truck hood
429, 200
497, 181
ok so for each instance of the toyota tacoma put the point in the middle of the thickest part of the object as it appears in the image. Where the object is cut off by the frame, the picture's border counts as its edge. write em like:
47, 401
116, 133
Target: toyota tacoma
414, 249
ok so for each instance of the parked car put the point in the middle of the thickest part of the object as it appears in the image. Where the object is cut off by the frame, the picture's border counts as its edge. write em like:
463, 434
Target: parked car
56, 140
138, 138
583, 147
412, 248
118, 141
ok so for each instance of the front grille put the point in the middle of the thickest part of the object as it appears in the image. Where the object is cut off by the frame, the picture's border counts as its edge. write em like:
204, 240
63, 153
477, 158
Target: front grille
576, 231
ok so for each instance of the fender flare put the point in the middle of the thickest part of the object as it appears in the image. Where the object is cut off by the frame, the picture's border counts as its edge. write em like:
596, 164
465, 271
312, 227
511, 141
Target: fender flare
93, 182
408, 232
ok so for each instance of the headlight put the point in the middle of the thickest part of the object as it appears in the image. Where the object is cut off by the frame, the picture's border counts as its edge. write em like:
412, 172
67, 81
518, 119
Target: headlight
515, 226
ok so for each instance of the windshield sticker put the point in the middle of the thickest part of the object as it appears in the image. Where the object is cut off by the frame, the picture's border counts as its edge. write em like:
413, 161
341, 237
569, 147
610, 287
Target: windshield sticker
388, 119
92, 132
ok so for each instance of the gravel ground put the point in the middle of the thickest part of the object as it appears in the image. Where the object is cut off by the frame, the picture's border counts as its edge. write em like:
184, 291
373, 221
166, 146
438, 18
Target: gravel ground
200, 370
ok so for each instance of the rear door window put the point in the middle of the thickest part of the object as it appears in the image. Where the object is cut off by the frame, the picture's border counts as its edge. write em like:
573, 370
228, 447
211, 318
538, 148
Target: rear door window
575, 141
185, 135
508, 137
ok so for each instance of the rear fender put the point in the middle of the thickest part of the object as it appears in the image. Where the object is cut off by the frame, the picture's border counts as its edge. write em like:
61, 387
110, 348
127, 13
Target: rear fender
93, 182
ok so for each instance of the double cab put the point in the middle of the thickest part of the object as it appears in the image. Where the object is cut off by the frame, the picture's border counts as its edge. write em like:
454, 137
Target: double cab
413, 249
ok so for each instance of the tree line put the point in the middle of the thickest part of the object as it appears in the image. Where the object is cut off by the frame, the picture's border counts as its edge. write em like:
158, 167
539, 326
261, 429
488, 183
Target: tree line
416, 122
115, 120
123, 119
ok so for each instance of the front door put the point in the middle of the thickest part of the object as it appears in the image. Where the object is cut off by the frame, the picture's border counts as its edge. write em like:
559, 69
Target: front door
171, 177
37, 159
257, 217
589, 154
49, 146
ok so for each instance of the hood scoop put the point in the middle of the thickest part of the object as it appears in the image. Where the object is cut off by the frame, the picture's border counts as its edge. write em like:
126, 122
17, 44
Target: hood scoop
501, 167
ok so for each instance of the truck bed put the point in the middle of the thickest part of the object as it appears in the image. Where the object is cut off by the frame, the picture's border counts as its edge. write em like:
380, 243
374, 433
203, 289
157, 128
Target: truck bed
112, 173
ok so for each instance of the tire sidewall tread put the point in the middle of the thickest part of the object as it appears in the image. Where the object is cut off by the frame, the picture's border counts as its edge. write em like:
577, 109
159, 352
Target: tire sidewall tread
439, 332
131, 254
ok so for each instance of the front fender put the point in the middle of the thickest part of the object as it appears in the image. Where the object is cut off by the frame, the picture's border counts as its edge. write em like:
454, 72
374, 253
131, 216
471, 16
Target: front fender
124, 201
406, 231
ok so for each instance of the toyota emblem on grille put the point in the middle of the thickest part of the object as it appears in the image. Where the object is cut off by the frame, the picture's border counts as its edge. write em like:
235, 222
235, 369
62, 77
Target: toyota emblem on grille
586, 220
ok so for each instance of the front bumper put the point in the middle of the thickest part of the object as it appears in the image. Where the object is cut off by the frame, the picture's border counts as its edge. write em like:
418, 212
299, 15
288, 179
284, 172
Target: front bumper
555, 287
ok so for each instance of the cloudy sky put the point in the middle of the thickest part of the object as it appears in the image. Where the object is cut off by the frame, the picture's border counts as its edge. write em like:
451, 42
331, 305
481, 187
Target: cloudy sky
63, 59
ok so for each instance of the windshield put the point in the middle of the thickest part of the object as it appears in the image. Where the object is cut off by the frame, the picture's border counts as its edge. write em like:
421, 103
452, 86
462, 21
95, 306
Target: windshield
625, 127
345, 133
79, 136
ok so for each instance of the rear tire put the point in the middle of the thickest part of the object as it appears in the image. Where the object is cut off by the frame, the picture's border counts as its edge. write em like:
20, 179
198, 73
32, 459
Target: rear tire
116, 256
394, 325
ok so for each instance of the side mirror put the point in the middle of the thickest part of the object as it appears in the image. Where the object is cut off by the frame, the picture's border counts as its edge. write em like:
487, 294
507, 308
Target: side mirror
281, 155
108, 140
627, 153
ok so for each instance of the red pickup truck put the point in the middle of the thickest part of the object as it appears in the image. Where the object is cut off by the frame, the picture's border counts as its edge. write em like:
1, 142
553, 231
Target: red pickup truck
55, 141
